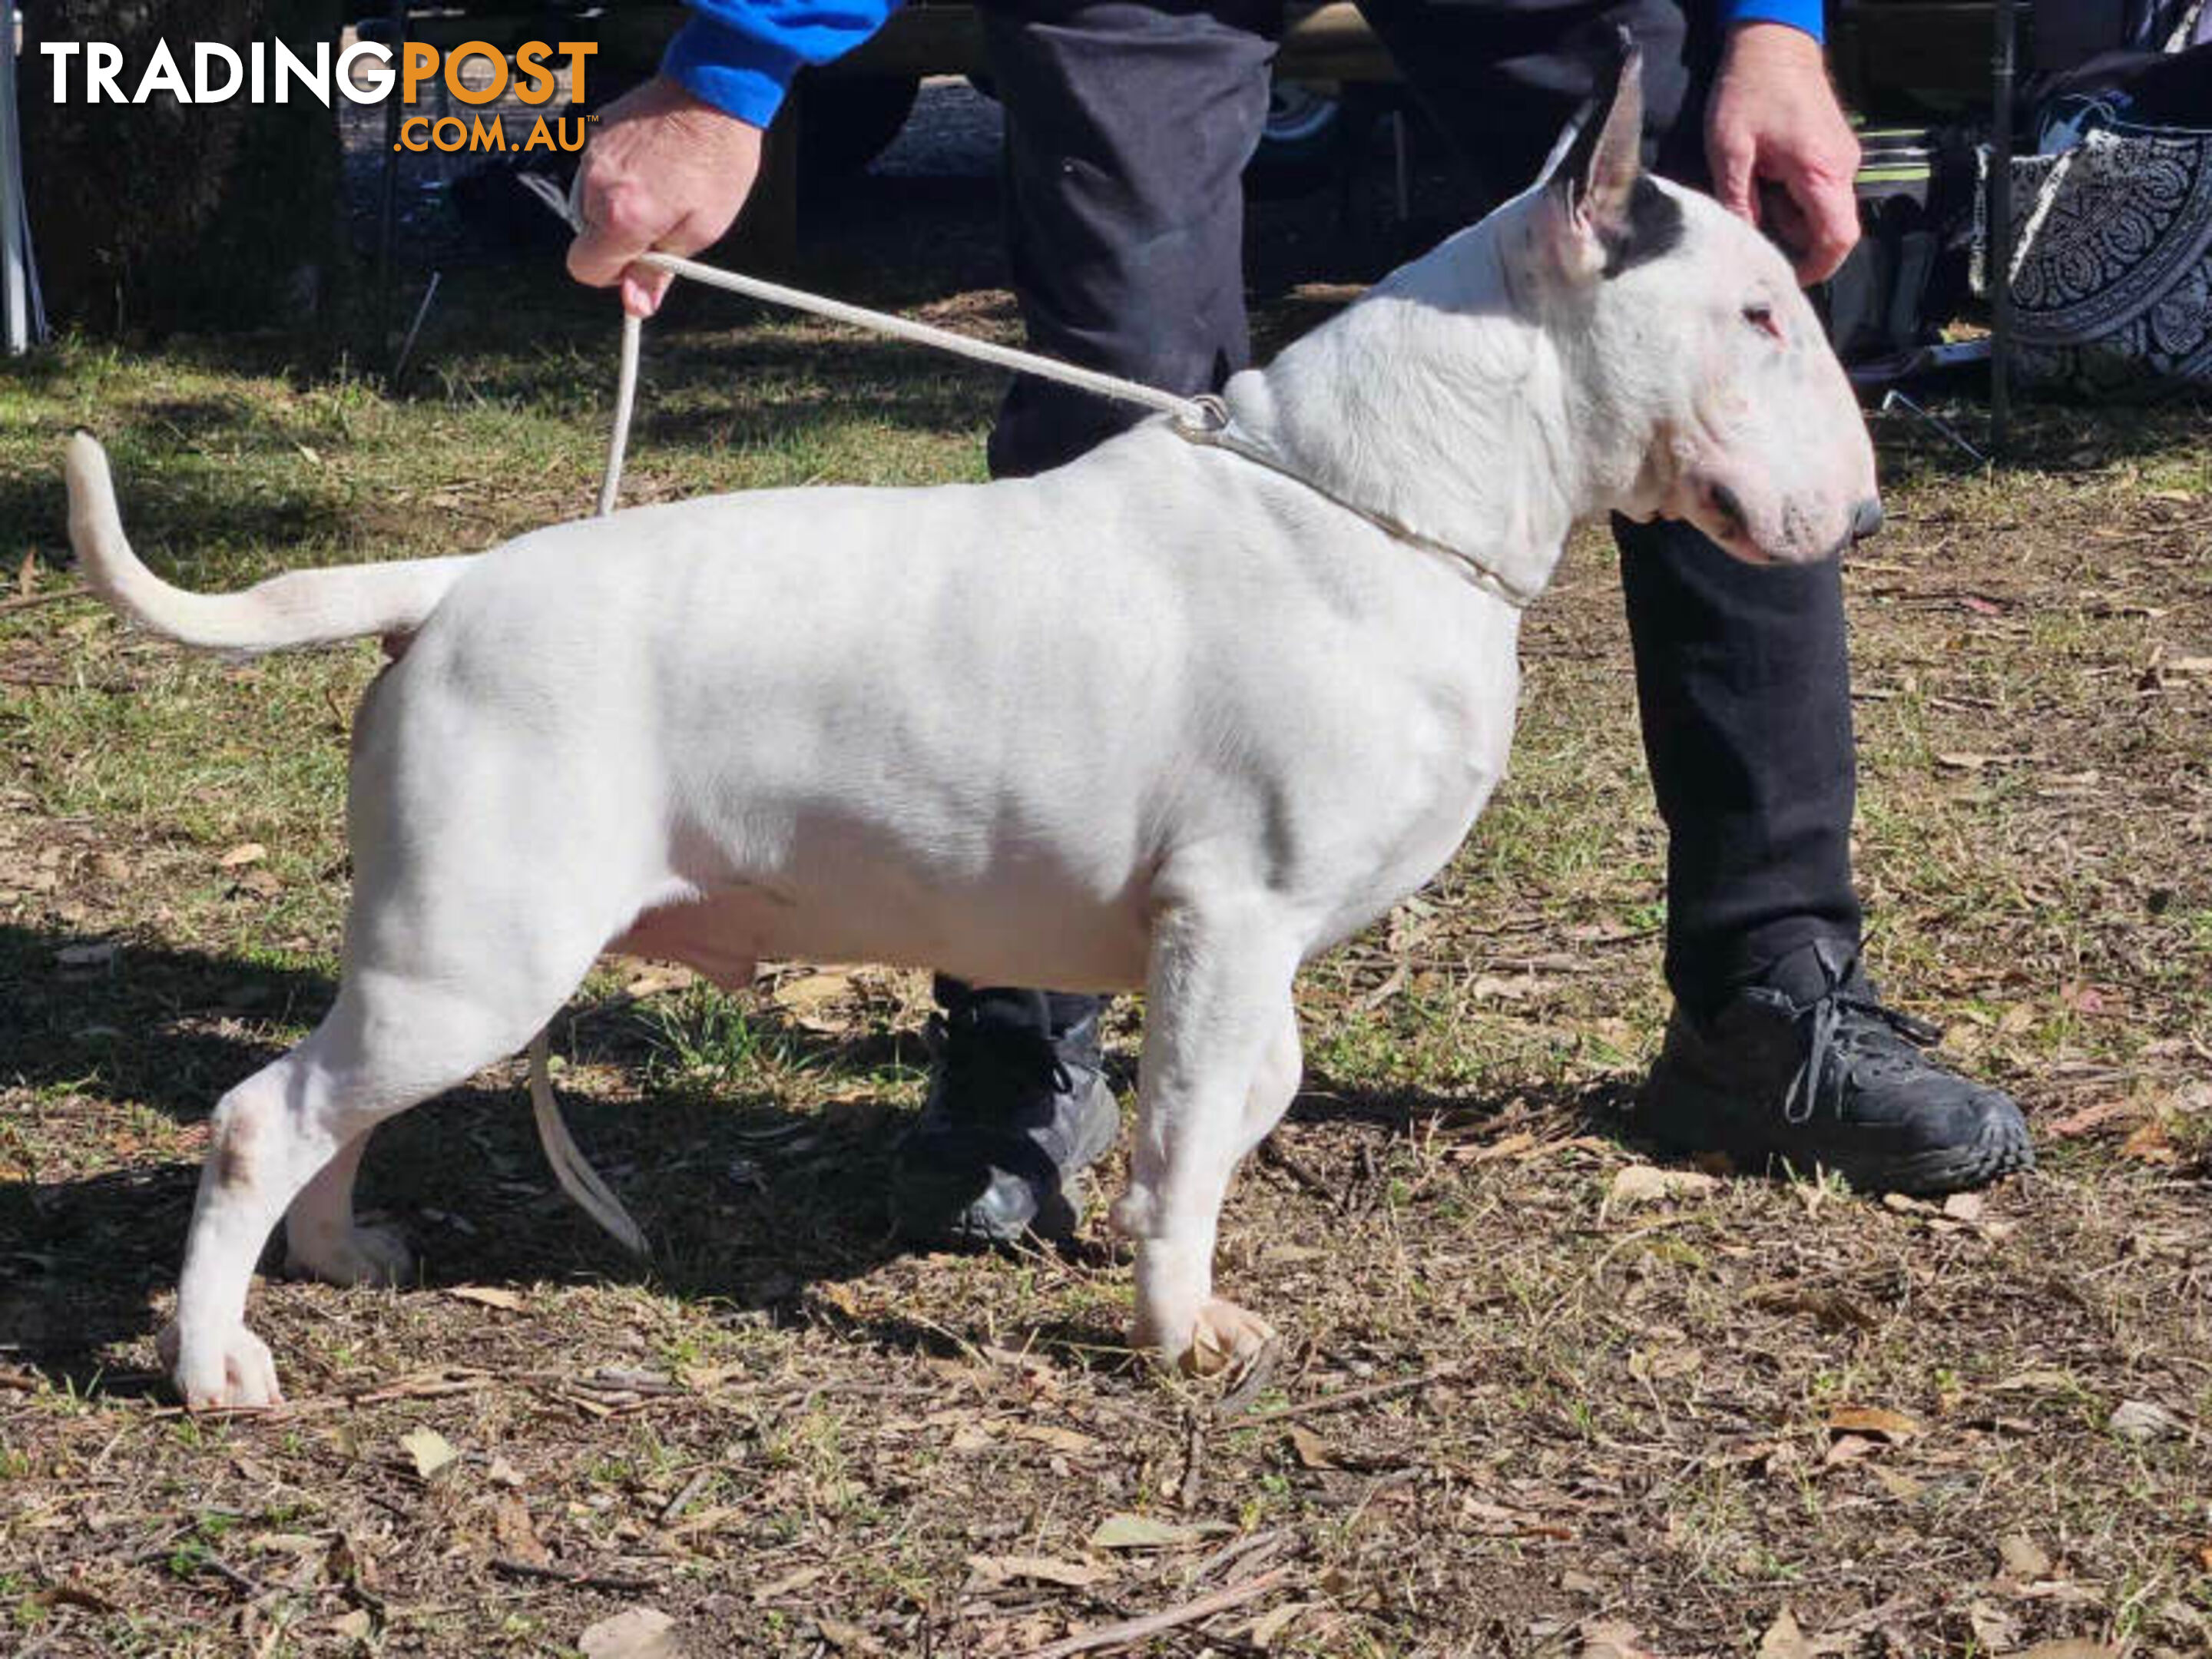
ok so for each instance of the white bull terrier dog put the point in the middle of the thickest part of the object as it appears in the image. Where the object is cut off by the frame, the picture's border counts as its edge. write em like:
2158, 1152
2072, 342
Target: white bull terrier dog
1171, 717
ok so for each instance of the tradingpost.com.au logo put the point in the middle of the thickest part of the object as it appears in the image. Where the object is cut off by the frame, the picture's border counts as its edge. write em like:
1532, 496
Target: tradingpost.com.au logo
93, 71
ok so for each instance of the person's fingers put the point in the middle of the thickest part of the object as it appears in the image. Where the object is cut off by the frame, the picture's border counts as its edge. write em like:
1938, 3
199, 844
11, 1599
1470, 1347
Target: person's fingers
1832, 230
1729, 154
620, 223
1815, 219
643, 288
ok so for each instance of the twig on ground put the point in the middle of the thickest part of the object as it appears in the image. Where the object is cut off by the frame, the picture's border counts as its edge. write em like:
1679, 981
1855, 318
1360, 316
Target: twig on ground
682, 1501
1330, 1402
1237, 1549
31, 601
613, 1583
1274, 1153
1194, 1460
1129, 1631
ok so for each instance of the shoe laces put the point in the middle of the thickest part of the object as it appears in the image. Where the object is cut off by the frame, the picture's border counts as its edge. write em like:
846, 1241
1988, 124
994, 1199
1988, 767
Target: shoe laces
986, 1067
1831, 1033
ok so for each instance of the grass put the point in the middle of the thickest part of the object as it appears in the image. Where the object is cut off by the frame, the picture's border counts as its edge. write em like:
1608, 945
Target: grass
1617, 1423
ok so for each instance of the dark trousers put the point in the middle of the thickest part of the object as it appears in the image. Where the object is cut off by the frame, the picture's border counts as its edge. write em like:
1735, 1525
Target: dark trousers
1129, 123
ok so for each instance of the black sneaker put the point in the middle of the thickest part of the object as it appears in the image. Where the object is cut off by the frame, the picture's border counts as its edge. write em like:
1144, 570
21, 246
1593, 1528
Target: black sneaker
1014, 1113
1828, 1077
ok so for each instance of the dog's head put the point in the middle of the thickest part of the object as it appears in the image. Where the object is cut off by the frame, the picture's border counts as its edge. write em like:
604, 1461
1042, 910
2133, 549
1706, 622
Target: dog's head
1690, 351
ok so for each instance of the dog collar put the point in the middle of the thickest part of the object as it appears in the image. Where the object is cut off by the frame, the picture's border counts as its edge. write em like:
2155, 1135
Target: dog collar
1208, 424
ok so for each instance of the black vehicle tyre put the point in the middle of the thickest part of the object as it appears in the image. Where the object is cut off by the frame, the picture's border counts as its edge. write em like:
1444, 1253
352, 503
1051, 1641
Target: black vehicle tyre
1305, 142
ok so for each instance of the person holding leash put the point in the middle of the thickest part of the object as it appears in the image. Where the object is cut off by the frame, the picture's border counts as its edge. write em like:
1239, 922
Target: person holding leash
1128, 125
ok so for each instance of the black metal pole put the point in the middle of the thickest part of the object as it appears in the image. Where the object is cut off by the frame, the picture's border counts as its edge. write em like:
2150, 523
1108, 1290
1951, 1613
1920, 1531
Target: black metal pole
387, 202
2000, 216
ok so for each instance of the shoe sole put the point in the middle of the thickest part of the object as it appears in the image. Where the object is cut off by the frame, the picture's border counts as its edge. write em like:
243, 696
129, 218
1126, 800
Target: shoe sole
1700, 1120
1056, 1218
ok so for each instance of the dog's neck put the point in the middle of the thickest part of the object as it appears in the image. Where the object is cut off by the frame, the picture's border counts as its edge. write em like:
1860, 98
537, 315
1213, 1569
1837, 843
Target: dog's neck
1437, 403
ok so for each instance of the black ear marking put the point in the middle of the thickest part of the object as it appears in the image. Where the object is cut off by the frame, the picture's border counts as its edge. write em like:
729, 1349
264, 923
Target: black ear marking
1654, 229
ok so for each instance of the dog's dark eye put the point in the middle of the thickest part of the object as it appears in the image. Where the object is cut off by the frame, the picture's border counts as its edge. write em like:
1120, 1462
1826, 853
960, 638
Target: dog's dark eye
1761, 317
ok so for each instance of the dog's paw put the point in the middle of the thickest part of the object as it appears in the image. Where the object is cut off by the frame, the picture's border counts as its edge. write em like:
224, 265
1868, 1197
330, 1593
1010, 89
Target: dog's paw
1226, 1335
232, 1370
1222, 1336
363, 1254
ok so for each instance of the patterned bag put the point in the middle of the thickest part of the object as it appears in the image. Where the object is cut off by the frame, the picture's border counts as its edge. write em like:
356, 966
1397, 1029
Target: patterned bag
2112, 262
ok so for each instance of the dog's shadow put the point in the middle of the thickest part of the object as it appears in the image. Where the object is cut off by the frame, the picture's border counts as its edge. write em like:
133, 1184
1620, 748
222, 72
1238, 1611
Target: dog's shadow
750, 1197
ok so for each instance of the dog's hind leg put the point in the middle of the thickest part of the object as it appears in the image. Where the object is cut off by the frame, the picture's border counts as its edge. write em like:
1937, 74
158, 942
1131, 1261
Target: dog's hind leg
394, 1037
322, 1239
1220, 1063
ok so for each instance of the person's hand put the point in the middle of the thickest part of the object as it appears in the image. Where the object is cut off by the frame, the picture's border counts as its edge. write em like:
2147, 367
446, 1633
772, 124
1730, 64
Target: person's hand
665, 171
1780, 150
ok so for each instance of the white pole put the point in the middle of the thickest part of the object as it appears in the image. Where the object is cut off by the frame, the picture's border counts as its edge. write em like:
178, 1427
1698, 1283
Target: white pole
22, 320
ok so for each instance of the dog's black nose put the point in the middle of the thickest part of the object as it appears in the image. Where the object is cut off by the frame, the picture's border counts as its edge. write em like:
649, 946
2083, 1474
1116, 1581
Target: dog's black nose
1866, 520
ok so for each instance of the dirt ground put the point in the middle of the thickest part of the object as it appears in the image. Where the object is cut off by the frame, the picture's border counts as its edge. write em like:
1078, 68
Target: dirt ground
1536, 1396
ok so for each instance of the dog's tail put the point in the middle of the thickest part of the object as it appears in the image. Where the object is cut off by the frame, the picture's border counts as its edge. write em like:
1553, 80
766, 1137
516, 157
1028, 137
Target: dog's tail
304, 607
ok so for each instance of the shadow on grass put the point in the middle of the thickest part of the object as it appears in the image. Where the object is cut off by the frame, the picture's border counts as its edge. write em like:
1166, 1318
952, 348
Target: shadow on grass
749, 1197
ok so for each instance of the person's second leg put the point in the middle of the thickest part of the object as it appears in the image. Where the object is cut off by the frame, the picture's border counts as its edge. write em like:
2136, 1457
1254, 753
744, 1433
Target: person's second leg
1128, 128
1779, 1048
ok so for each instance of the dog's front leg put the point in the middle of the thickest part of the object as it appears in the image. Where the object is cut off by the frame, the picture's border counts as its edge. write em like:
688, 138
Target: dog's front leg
1220, 1063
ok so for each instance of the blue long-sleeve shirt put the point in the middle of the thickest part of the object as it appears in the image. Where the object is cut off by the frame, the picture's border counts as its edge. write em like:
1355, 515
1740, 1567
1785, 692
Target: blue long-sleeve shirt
740, 55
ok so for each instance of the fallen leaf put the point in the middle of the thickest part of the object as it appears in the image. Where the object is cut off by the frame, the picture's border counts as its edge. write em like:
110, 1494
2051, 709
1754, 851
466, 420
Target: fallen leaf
27, 575
504, 1474
638, 1633
1783, 1640
1993, 1627
2087, 1000
1848, 1448
431, 1450
1874, 1420
2149, 1144
289, 1543
1963, 1206
846, 1638
807, 998
789, 1582
1124, 1531
354, 1627
2094, 1116
88, 955
1052, 1435
2142, 1421
1609, 1639
1644, 1183
1516, 1144
2071, 1647
2022, 1556
239, 857
1902, 1487
1313, 1452
653, 981
1959, 760
489, 1296
518, 1537
1268, 1627
993, 1571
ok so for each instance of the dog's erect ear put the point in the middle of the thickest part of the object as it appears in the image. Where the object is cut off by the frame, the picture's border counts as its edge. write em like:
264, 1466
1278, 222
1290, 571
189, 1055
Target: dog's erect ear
1603, 215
